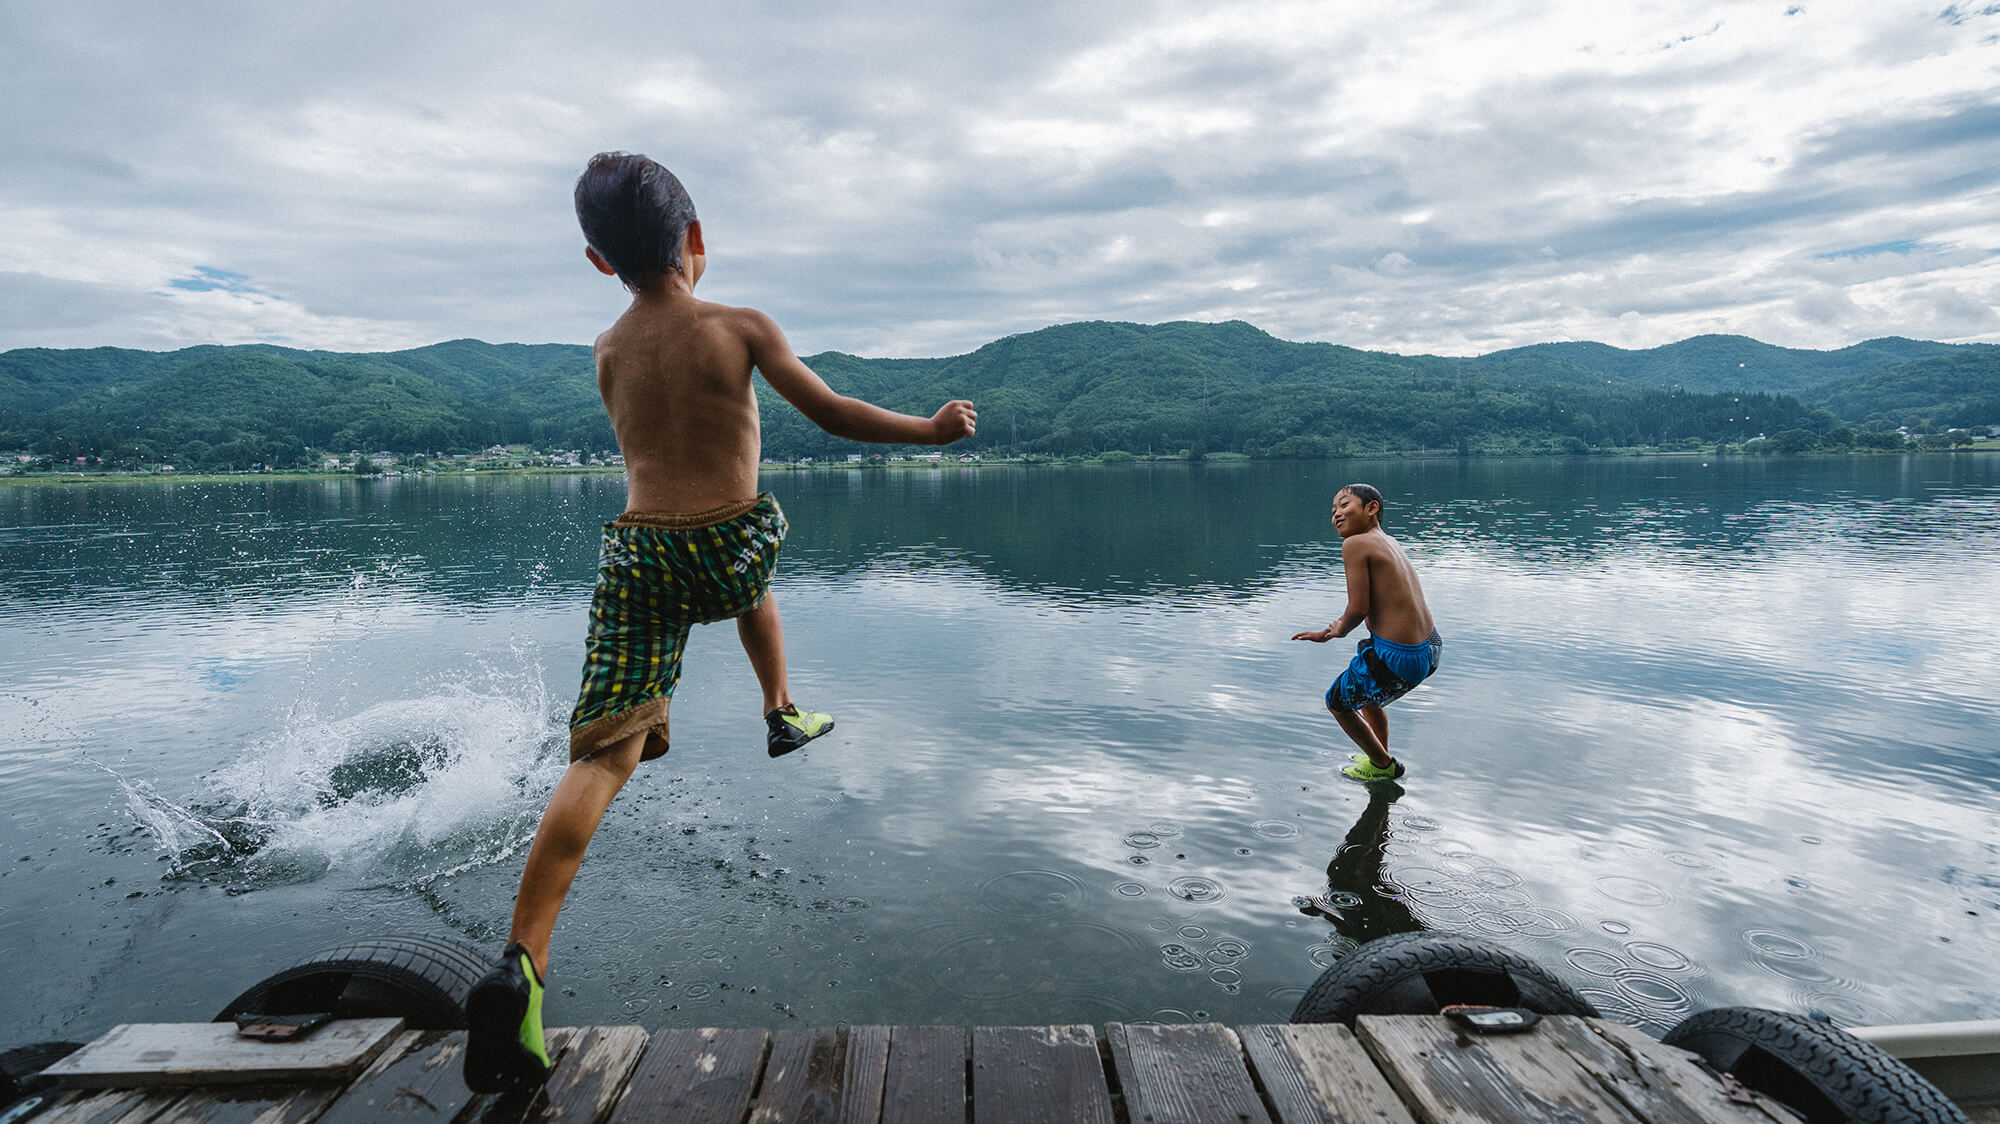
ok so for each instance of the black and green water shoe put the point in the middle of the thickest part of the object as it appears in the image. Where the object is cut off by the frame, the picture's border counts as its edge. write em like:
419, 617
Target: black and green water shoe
791, 728
504, 1052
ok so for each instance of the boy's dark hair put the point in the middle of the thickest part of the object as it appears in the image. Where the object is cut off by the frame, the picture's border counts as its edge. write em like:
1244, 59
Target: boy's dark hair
1367, 494
633, 213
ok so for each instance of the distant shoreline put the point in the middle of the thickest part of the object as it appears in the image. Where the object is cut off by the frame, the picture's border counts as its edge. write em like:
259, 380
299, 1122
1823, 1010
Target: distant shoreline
51, 479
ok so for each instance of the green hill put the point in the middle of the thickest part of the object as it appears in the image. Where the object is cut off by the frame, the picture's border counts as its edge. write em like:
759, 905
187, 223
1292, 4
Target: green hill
1710, 364
1956, 390
1073, 388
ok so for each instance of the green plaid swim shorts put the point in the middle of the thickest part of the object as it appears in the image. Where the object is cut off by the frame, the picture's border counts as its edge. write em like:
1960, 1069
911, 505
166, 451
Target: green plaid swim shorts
657, 577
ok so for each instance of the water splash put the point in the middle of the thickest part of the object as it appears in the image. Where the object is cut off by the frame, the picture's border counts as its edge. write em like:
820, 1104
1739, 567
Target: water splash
403, 793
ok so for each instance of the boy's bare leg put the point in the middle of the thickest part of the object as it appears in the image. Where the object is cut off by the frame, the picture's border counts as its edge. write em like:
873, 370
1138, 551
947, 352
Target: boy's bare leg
575, 809
763, 637
1378, 721
1363, 734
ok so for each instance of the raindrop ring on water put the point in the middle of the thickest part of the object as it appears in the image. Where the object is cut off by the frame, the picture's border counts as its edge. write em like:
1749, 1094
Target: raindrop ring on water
1779, 946
1594, 962
1031, 893
1652, 990
1658, 956
1196, 889
1627, 890
1228, 950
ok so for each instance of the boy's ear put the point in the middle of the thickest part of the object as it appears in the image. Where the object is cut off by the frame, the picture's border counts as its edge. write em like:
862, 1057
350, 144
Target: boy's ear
694, 243
597, 260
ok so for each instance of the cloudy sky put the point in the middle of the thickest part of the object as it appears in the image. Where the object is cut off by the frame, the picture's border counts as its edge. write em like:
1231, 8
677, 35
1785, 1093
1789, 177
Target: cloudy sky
917, 179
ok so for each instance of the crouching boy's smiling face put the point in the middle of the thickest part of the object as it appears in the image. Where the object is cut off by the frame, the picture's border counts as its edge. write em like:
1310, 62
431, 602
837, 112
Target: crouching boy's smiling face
1352, 515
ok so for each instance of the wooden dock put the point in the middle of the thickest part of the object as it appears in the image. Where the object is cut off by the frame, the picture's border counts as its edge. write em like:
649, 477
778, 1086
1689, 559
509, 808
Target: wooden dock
1389, 1070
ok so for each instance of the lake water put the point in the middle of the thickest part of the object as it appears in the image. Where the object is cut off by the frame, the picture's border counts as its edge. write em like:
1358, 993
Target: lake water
1704, 734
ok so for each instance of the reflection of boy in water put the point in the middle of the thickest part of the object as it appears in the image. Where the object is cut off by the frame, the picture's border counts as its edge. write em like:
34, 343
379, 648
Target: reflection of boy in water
1403, 645
696, 544
1356, 872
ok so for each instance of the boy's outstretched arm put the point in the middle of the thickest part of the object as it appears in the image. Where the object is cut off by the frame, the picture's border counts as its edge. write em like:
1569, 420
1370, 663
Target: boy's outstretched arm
1354, 560
839, 414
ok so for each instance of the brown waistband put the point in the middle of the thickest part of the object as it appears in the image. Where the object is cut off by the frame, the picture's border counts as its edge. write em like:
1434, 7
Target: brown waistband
690, 521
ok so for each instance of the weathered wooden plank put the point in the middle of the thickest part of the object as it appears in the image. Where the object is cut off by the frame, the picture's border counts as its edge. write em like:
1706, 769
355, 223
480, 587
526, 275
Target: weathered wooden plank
1032, 1074
1316, 1073
248, 1104
424, 1080
123, 1106
273, 1104
695, 1075
824, 1075
1449, 1077
136, 1055
1185, 1073
925, 1083
590, 1075
1662, 1070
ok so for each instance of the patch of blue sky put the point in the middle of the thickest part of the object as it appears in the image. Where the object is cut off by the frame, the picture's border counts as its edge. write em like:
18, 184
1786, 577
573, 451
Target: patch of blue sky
208, 279
1957, 14
1902, 246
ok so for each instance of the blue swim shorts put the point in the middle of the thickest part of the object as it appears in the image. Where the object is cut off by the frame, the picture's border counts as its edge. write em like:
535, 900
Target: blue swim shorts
1383, 671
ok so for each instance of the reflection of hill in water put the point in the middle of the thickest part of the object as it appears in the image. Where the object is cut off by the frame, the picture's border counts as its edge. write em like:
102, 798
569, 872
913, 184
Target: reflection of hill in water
1109, 532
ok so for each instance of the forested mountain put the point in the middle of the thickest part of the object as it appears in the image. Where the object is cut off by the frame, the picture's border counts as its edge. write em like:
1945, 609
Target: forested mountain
1708, 364
1074, 388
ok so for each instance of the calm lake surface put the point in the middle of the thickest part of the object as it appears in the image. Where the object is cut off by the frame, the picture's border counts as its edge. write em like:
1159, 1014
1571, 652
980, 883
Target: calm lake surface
1704, 733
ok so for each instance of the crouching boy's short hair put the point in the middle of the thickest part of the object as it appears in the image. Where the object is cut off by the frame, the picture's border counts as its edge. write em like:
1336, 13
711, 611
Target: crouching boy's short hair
633, 212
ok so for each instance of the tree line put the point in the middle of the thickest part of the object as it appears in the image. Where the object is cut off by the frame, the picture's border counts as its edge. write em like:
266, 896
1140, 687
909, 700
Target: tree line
1074, 389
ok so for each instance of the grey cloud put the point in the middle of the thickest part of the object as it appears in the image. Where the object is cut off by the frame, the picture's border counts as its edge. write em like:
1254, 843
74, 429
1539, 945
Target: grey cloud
32, 302
409, 165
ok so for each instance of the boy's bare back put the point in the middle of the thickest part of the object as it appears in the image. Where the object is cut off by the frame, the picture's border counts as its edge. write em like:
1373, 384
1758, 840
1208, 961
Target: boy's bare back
1392, 597
674, 372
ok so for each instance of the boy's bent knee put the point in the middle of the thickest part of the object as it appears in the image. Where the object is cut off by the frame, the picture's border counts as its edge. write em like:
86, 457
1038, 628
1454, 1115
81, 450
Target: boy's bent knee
617, 760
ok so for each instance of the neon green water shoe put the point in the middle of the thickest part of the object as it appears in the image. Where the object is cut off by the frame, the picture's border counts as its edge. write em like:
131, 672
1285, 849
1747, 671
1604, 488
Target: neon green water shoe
504, 1051
1366, 770
791, 728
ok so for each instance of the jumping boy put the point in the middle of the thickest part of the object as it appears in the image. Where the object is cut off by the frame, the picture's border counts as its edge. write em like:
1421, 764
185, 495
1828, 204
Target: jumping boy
697, 544
1403, 644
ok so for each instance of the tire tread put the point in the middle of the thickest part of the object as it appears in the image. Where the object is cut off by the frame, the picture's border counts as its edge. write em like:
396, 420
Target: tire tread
1863, 1082
1342, 991
439, 970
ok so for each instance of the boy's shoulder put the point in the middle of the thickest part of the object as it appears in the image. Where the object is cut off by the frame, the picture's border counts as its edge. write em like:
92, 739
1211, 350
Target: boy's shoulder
649, 321
1372, 541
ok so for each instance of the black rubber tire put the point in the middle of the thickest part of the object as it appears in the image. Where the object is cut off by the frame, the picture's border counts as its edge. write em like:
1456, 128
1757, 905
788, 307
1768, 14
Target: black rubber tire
1828, 1075
1422, 973
423, 980
21, 1066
